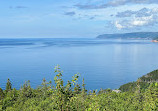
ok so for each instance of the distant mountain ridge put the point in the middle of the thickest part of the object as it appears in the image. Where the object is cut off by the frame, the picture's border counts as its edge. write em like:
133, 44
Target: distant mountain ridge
133, 35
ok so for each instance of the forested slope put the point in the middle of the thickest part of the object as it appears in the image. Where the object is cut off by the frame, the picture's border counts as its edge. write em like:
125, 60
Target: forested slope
75, 97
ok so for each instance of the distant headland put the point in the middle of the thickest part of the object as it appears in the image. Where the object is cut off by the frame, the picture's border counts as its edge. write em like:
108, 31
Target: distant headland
134, 35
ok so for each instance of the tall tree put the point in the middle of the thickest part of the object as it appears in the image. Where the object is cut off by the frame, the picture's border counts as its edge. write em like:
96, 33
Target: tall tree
8, 86
1, 94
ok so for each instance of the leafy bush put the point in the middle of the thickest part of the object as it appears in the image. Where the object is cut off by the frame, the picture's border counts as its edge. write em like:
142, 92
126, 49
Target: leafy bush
135, 96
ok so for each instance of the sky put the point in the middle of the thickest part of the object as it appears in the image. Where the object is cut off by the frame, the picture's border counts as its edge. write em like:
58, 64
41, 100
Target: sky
76, 18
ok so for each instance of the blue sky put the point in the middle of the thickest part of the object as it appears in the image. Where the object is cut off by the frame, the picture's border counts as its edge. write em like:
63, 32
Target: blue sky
75, 18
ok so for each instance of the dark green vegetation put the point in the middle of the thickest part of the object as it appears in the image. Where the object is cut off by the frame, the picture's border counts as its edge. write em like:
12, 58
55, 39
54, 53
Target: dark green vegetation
134, 35
156, 38
72, 96
144, 82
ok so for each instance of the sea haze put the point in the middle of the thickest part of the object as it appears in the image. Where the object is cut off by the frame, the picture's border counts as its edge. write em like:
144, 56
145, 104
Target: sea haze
103, 63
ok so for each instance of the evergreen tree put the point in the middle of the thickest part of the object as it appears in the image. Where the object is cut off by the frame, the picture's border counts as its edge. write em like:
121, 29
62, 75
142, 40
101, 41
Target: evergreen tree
151, 97
26, 91
83, 88
70, 97
8, 86
46, 87
1, 94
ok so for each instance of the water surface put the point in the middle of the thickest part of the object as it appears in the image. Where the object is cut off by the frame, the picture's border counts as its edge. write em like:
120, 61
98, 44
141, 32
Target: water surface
103, 63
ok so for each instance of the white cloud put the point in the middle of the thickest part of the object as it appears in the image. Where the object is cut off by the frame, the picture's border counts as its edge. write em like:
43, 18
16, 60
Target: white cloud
136, 19
70, 13
139, 22
99, 14
136, 22
118, 25
114, 3
118, 13
144, 12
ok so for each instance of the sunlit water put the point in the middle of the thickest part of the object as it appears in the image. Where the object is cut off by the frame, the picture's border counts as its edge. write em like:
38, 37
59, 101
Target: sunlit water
103, 63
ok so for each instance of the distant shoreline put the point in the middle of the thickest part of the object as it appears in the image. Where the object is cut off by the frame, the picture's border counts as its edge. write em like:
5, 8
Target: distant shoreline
133, 35
154, 40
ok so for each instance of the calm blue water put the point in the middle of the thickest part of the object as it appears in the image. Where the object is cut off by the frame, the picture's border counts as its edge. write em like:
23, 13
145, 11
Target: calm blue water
103, 63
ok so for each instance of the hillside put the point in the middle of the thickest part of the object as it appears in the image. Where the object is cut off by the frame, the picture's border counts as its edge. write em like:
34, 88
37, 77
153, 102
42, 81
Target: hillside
74, 97
144, 82
156, 38
134, 35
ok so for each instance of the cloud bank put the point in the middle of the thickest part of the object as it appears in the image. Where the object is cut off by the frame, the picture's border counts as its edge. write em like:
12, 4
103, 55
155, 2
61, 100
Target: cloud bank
132, 19
70, 13
118, 14
17, 7
114, 3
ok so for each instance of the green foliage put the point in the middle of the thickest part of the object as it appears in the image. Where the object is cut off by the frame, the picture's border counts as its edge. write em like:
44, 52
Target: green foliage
26, 91
71, 96
144, 82
128, 87
156, 38
150, 77
1, 94
8, 86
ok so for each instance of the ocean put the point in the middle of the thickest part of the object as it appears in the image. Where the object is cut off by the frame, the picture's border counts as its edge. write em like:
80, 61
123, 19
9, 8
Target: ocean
103, 63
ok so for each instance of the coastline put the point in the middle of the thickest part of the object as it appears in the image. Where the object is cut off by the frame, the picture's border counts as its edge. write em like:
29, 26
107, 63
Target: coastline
154, 40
